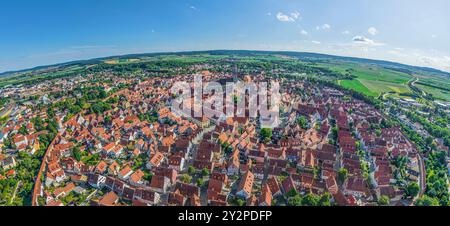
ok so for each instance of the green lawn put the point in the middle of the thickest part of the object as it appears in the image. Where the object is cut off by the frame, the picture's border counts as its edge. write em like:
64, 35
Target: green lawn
357, 86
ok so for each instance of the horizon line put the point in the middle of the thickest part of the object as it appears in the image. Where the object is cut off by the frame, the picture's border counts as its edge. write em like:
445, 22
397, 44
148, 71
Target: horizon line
7, 73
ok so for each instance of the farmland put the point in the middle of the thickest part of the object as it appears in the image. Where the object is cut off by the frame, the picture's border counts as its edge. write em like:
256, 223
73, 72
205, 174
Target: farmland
371, 78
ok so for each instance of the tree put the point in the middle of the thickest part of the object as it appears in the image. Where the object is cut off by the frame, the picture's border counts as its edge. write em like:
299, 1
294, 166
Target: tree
76, 153
148, 176
325, 199
384, 200
342, 175
200, 182
205, 172
186, 178
295, 200
302, 122
427, 201
266, 134
240, 202
191, 170
292, 193
23, 130
412, 190
311, 200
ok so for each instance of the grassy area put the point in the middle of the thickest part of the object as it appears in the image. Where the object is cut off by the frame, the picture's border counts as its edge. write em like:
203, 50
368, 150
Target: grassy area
385, 87
372, 80
31, 78
437, 93
357, 86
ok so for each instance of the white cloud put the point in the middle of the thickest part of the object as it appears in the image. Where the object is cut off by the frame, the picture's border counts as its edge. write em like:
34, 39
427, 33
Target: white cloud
295, 15
346, 32
366, 41
269, 14
316, 42
193, 7
292, 17
434, 36
372, 31
323, 27
303, 32
440, 62
284, 18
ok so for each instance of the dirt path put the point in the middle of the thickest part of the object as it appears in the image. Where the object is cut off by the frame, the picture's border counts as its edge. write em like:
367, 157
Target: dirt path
15, 192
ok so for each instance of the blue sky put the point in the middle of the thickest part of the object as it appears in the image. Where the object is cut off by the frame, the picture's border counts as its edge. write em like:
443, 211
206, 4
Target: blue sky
34, 33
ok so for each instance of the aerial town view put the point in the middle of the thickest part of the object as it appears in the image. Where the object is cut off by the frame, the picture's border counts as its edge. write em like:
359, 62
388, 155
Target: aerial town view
116, 117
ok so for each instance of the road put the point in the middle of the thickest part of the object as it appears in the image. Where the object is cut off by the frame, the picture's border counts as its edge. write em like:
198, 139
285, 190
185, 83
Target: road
423, 174
89, 197
15, 192
412, 85
421, 162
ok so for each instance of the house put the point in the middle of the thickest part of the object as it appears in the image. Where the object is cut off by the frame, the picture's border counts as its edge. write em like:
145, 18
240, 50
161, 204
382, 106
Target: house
128, 193
331, 185
183, 145
63, 192
155, 160
176, 162
187, 189
114, 168
176, 199
147, 196
136, 178
195, 200
109, 199
20, 140
274, 186
125, 173
288, 185
55, 203
214, 187
56, 171
160, 183
167, 172
233, 166
258, 171
108, 148
265, 199
245, 186
117, 151
8, 163
356, 186
101, 167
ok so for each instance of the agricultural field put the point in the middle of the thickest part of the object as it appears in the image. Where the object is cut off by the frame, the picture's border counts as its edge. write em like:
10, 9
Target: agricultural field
437, 93
33, 77
121, 61
356, 85
372, 80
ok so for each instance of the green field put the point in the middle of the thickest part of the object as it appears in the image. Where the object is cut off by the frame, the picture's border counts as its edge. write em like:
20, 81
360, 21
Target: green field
357, 86
372, 80
437, 93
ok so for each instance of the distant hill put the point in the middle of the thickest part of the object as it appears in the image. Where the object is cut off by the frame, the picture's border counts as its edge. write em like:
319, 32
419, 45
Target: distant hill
304, 56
